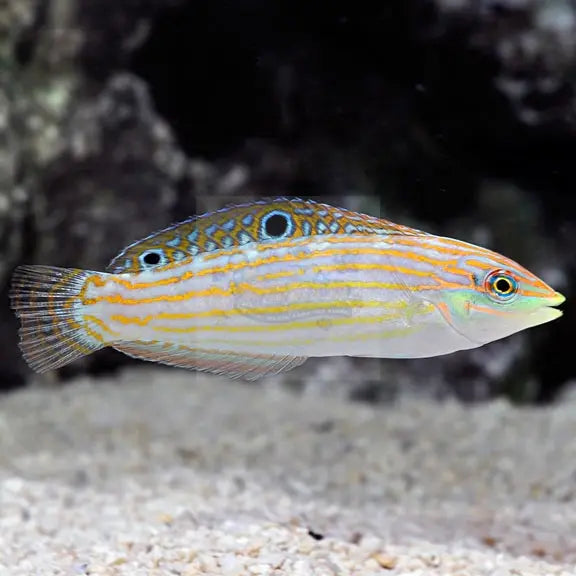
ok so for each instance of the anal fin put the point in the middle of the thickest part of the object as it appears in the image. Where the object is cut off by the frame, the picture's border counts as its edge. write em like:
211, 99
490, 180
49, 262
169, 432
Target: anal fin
230, 364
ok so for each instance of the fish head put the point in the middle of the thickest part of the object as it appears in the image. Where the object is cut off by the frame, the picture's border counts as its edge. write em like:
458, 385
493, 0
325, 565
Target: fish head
498, 297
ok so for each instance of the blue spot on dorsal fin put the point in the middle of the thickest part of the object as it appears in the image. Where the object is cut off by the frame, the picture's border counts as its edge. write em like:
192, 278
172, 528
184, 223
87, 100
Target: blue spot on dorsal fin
174, 242
244, 238
228, 226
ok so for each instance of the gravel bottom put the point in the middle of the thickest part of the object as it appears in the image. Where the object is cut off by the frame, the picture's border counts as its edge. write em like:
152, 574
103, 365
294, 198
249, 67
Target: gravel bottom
170, 472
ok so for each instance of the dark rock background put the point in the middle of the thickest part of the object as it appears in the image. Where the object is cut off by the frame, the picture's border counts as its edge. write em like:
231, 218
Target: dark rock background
456, 116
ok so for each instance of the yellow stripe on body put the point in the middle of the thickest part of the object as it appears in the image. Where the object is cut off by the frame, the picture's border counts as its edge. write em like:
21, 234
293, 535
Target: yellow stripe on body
457, 248
416, 241
237, 288
135, 285
145, 320
324, 323
450, 266
342, 267
361, 337
447, 266
101, 324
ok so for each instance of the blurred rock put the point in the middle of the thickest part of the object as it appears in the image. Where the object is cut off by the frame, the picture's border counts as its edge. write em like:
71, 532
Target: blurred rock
534, 43
15, 19
112, 30
113, 182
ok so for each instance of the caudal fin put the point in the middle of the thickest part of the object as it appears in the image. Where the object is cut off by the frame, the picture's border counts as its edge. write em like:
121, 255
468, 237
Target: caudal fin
47, 301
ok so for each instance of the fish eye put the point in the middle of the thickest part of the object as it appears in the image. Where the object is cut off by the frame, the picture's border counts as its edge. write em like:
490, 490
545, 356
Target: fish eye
151, 257
276, 224
501, 285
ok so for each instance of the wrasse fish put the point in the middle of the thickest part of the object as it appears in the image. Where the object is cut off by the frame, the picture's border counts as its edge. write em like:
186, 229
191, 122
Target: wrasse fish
256, 289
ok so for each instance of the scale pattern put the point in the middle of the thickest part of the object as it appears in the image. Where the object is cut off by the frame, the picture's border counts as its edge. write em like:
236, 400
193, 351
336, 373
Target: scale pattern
235, 226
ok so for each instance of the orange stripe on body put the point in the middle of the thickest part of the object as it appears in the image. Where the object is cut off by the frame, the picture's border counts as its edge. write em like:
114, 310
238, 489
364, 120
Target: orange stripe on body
245, 287
485, 309
383, 267
280, 327
307, 241
144, 320
449, 267
364, 336
101, 324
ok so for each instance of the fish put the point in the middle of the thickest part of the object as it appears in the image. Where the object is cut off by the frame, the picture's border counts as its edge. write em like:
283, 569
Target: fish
256, 289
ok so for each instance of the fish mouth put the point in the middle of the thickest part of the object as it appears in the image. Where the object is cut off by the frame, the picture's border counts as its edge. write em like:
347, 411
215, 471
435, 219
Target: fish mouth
556, 300
549, 311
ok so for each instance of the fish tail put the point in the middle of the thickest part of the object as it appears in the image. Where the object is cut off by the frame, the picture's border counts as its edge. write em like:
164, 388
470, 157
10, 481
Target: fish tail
48, 302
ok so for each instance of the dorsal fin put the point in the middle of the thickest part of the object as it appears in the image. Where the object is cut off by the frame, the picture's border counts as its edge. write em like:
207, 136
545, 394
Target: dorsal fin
236, 225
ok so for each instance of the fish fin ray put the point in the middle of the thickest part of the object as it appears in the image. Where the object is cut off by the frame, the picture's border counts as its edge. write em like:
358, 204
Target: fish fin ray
230, 364
45, 299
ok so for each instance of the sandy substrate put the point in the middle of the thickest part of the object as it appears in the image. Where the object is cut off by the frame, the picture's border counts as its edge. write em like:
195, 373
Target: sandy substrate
168, 472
